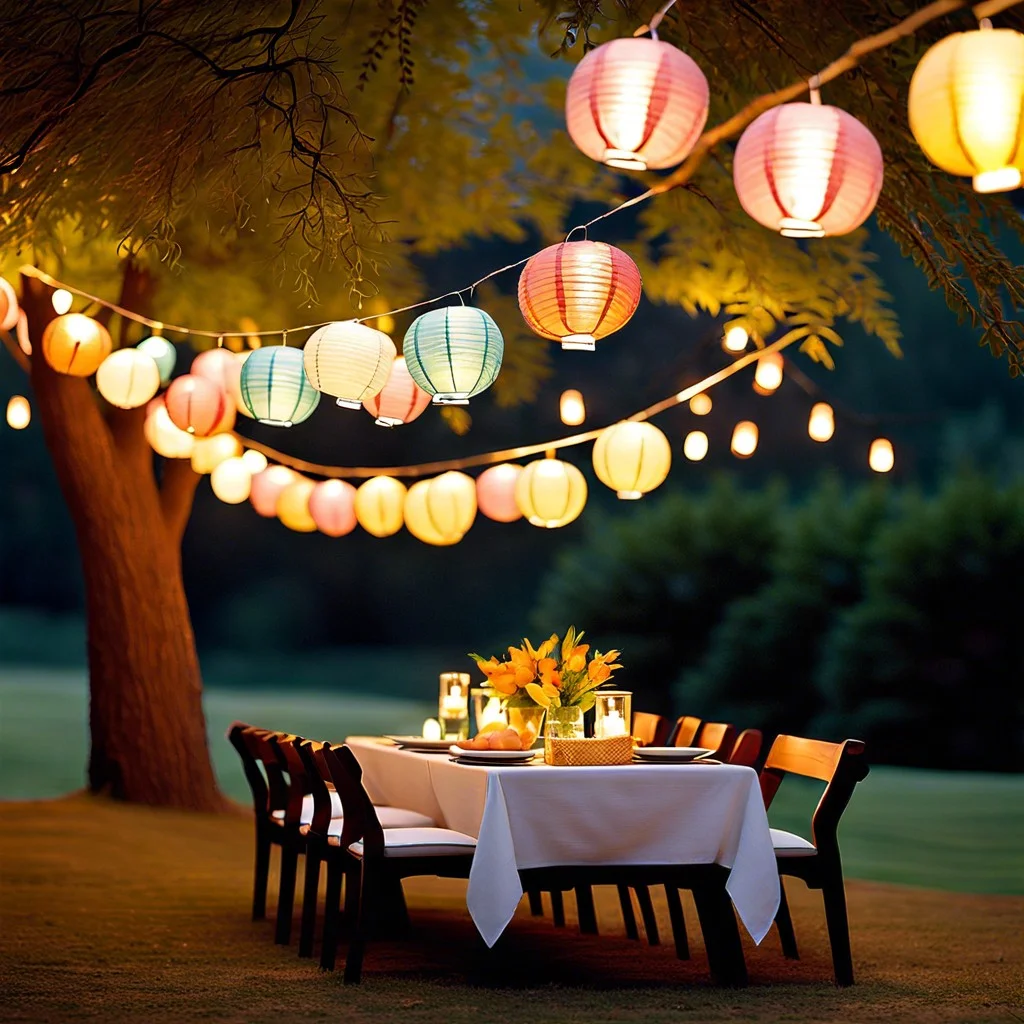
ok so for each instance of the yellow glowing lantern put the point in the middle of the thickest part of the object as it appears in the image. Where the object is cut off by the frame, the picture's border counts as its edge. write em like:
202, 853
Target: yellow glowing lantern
61, 300
379, 504
128, 378
75, 344
441, 510
571, 408
231, 480
821, 425
210, 452
768, 373
293, 506
19, 412
254, 461
744, 439
163, 436
695, 445
8, 305
965, 105
735, 338
632, 458
700, 405
881, 457
551, 493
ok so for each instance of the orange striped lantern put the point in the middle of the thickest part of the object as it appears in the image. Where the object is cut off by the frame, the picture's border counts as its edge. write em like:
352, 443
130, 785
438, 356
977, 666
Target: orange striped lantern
577, 292
807, 170
401, 399
637, 104
76, 344
333, 507
198, 406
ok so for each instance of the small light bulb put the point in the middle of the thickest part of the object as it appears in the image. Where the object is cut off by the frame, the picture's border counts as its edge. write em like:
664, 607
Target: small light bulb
744, 439
700, 405
768, 374
736, 338
572, 408
881, 457
254, 461
19, 412
821, 425
61, 300
695, 445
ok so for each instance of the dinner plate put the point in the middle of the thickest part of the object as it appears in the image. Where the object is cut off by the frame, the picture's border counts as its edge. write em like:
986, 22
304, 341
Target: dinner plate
421, 745
670, 755
492, 756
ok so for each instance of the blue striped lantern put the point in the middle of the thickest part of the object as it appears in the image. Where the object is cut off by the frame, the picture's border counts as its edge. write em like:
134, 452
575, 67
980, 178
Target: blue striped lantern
454, 353
275, 388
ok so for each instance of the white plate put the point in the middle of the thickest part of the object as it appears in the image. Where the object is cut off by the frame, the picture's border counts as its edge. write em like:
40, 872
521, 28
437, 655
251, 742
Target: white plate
492, 755
676, 754
420, 744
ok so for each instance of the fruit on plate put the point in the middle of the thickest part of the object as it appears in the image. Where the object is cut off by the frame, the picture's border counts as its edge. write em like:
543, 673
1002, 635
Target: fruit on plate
495, 726
503, 738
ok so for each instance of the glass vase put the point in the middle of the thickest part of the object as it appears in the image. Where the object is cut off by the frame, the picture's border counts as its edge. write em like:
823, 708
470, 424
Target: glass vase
527, 722
562, 724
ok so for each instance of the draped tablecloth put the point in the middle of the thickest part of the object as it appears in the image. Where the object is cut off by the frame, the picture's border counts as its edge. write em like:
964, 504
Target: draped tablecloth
537, 816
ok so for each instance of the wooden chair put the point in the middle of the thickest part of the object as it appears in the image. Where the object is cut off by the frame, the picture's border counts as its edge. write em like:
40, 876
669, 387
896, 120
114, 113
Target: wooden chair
841, 766
651, 730
684, 732
747, 748
718, 737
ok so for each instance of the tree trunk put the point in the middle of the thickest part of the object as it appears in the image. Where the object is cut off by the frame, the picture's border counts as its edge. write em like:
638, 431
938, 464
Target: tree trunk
146, 720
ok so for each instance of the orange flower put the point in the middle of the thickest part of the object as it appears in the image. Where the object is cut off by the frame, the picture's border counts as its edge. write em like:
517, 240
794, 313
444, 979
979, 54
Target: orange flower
500, 674
576, 658
524, 669
598, 671
544, 650
547, 669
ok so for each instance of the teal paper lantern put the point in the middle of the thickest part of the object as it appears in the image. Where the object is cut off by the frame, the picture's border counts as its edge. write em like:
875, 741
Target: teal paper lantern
454, 353
275, 388
162, 352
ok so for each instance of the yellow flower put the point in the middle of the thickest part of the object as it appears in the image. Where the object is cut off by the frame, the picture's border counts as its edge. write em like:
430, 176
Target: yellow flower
500, 674
598, 671
544, 650
538, 694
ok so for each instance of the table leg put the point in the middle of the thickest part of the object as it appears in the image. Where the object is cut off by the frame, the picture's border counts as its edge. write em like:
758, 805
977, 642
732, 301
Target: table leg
721, 935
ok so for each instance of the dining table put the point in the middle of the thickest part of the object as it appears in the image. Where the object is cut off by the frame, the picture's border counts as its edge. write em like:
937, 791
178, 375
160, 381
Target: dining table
534, 815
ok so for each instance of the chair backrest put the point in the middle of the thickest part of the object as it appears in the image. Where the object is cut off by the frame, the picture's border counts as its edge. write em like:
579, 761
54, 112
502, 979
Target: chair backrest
717, 737
651, 730
359, 814
747, 748
685, 731
289, 760
318, 775
840, 765
262, 768
251, 767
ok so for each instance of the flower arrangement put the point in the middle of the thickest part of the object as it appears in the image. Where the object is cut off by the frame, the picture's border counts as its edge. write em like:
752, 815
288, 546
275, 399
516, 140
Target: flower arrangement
557, 674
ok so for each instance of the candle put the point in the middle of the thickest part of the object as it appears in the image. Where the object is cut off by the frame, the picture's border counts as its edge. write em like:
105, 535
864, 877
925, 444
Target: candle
431, 729
613, 724
455, 704
493, 713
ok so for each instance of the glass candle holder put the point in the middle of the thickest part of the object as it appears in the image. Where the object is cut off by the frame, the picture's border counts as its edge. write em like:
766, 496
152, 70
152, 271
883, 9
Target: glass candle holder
487, 707
613, 711
453, 705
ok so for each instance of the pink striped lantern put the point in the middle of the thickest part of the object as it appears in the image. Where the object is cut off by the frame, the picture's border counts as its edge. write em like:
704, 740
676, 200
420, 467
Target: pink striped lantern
636, 104
333, 507
496, 492
808, 170
401, 399
267, 486
198, 406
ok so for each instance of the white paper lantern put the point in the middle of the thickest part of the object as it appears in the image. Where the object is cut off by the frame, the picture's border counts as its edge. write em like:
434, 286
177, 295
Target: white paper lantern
231, 480
210, 452
632, 458
128, 378
379, 504
163, 436
441, 510
350, 361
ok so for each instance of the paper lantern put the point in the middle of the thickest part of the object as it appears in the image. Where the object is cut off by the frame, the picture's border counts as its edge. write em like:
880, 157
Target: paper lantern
454, 353
700, 405
632, 458
379, 503
61, 301
881, 457
695, 445
128, 378
19, 412
275, 388
744, 439
293, 506
231, 480
496, 492
768, 373
333, 507
75, 344
821, 425
350, 361
254, 461
576, 292
220, 365
551, 493
808, 170
235, 383
441, 510
266, 488
210, 452
638, 104
8, 306
735, 338
401, 399
162, 352
197, 405
965, 105
163, 436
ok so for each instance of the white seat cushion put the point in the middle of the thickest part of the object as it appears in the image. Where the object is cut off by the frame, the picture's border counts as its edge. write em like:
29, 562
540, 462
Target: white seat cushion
422, 842
390, 817
787, 844
306, 816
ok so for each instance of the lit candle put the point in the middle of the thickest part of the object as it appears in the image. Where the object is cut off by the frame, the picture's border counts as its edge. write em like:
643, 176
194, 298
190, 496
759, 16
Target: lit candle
431, 729
613, 724
455, 705
493, 712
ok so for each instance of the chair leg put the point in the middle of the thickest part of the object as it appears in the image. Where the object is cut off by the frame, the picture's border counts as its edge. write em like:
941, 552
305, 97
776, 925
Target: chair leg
838, 924
359, 912
310, 890
557, 908
536, 903
261, 874
643, 899
628, 917
721, 936
585, 912
675, 914
332, 915
286, 893
784, 923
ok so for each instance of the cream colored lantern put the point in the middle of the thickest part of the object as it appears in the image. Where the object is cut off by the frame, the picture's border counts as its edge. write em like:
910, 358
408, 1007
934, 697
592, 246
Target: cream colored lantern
163, 436
210, 452
440, 511
350, 361
632, 458
293, 506
379, 504
700, 405
128, 378
551, 493
231, 480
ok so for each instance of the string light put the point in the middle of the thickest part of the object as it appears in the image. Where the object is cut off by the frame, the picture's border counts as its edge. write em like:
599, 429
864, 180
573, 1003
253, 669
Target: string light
231, 481
744, 439
881, 457
700, 405
735, 338
571, 408
821, 425
695, 445
19, 412
254, 461
768, 373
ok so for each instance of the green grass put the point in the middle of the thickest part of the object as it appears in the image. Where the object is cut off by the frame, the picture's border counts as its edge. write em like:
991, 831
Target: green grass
959, 831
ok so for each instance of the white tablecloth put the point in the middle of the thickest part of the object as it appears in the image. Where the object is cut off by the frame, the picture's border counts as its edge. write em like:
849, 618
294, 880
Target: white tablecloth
540, 816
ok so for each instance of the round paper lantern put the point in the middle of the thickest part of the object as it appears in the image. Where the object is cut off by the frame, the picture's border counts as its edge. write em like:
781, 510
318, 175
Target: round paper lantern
275, 388
441, 510
197, 405
333, 507
700, 405
695, 445
8, 306
293, 506
550, 492
350, 361
744, 439
266, 488
821, 425
576, 292
210, 452
163, 436
496, 492
632, 458
162, 352
254, 461
768, 373
128, 378
401, 399
75, 344
454, 353
965, 105
235, 383
379, 503
881, 457
637, 104
571, 408
19, 412
808, 170
231, 480
219, 365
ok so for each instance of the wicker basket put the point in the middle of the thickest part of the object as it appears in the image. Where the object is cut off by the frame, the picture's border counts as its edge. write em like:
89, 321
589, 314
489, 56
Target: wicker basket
573, 753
